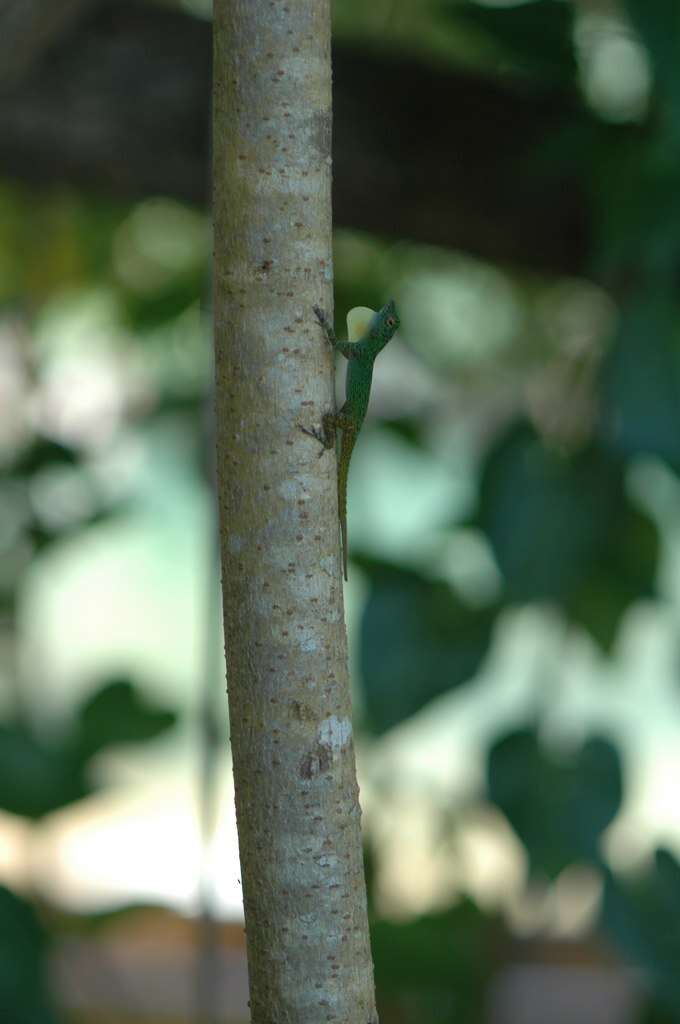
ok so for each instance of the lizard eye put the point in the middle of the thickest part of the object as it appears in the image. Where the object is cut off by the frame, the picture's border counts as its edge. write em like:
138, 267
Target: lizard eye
390, 321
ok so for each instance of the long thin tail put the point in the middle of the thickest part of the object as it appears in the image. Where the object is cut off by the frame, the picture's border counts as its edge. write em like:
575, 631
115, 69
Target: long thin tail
343, 531
346, 447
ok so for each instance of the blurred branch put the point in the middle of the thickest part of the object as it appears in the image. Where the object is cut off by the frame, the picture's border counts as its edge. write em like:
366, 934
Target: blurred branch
436, 156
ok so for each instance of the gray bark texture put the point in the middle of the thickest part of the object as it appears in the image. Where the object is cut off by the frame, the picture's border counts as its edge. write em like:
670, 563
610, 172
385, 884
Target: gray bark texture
289, 699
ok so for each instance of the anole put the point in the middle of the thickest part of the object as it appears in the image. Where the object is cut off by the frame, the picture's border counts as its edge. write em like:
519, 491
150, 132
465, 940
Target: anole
368, 332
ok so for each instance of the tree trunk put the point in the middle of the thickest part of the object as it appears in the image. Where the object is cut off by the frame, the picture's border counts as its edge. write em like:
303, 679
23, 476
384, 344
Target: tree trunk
289, 701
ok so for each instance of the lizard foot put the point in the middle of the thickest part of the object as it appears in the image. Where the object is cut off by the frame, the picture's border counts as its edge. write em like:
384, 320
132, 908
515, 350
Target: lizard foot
317, 435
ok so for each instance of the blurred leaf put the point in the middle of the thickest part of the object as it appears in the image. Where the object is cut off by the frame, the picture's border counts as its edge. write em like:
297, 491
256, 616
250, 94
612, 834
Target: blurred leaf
35, 779
658, 25
191, 405
45, 460
41, 454
634, 189
545, 514
24, 995
535, 36
641, 380
43, 537
118, 713
407, 428
643, 919
436, 967
623, 572
417, 642
145, 311
655, 1013
558, 807
562, 529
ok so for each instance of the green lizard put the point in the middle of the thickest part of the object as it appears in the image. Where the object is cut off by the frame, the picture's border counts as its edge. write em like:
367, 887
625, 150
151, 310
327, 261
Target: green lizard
368, 332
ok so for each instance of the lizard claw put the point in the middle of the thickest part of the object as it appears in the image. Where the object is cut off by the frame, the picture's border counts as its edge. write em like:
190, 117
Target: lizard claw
316, 434
325, 325
323, 320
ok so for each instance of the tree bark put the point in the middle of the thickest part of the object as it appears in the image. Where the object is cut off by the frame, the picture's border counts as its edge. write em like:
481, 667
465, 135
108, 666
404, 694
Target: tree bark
289, 700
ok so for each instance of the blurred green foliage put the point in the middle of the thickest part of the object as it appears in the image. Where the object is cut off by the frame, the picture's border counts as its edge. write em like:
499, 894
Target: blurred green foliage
643, 918
544, 798
418, 640
532, 40
24, 987
563, 529
436, 967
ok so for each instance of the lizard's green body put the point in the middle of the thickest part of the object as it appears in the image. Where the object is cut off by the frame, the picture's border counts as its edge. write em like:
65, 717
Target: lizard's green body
369, 332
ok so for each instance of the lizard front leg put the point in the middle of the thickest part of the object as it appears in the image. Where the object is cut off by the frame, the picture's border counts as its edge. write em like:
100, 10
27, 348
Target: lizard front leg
331, 422
326, 324
348, 350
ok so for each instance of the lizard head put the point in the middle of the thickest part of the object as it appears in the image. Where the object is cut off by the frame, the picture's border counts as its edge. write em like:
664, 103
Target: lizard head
363, 323
385, 322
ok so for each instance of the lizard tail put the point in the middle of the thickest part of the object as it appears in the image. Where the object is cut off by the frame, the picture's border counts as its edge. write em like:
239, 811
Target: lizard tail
343, 531
346, 446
